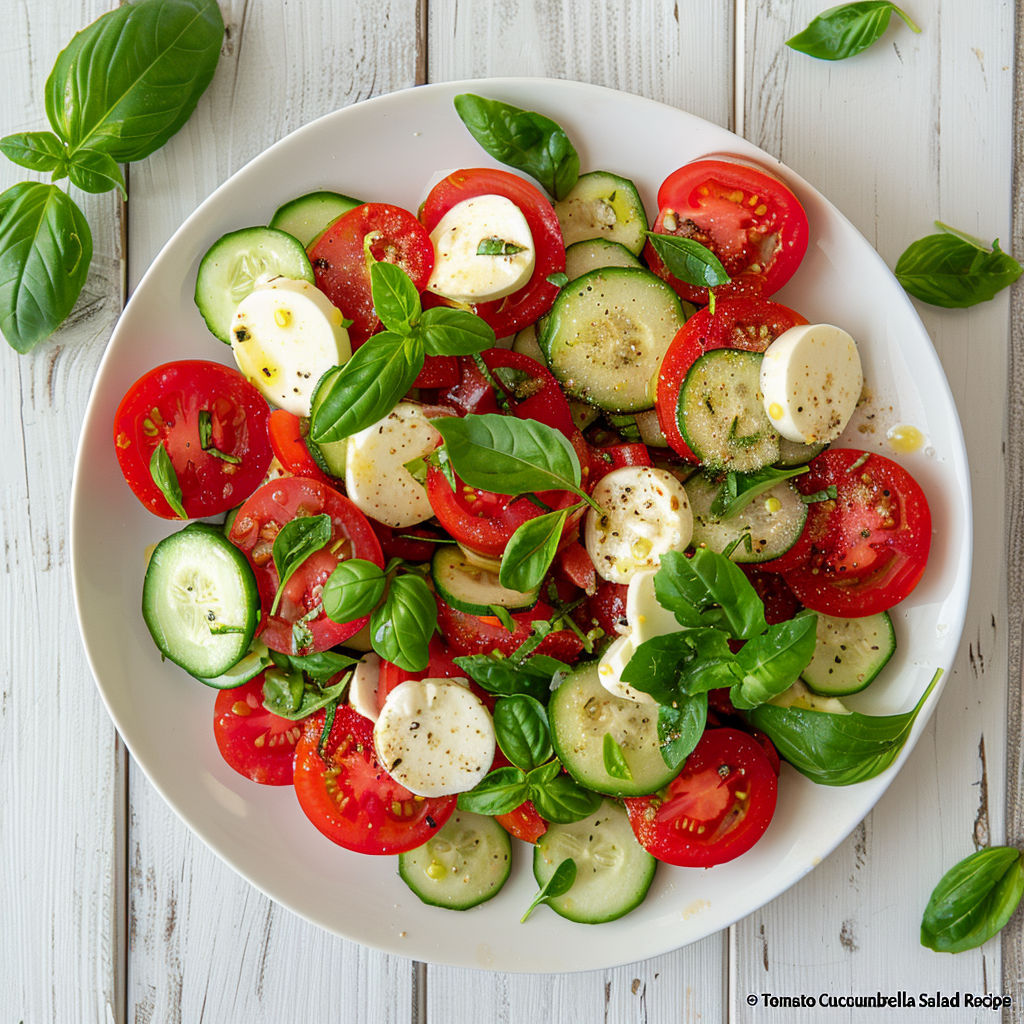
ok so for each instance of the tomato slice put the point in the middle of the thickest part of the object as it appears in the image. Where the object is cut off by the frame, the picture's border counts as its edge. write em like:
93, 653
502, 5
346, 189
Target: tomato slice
167, 406
289, 444
351, 799
537, 296
254, 741
715, 809
341, 265
614, 456
869, 546
605, 610
780, 603
524, 822
260, 520
750, 324
470, 634
747, 217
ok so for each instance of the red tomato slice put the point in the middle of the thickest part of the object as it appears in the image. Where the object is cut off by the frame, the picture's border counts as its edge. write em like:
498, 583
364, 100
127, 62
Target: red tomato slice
524, 822
438, 372
288, 442
750, 324
340, 265
396, 542
715, 809
164, 406
576, 565
349, 796
255, 742
747, 217
870, 545
614, 456
469, 634
605, 610
780, 603
533, 300
260, 520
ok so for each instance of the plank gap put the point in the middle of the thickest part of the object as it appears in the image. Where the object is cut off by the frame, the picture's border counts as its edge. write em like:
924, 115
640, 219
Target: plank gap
739, 23
419, 993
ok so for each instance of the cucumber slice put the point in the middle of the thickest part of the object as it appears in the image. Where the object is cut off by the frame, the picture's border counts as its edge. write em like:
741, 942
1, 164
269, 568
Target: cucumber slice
849, 654
583, 414
721, 414
796, 453
581, 712
234, 263
603, 205
607, 334
197, 583
594, 253
464, 864
473, 590
252, 664
306, 218
650, 429
613, 871
771, 533
330, 457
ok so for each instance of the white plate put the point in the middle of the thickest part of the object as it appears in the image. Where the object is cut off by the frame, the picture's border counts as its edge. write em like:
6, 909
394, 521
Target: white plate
385, 149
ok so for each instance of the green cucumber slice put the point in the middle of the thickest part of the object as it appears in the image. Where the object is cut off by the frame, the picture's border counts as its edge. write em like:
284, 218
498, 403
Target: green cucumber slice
470, 589
796, 453
849, 654
603, 205
330, 456
252, 664
307, 217
594, 253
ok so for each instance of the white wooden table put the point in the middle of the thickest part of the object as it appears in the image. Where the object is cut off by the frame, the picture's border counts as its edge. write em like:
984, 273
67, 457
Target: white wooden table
110, 910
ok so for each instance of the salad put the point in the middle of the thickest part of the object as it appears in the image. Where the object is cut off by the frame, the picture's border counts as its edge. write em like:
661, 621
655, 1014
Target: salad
583, 591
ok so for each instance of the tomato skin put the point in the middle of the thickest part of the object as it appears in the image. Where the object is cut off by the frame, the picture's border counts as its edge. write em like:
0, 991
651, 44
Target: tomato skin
351, 799
606, 609
289, 446
524, 822
610, 457
575, 563
780, 603
438, 372
179, 391
705, 794
736, 211
395, 543
255, 742
469, 634
537, 296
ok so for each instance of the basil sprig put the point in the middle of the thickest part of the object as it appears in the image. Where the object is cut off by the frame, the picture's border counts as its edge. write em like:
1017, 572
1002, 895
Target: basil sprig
319, 667
161, 469
973, 900
521, 728
354, 589
738, 490
297, 540
521, 672
401, 627
523, 139
955, 270
557, 885
688, 260
119, 90
848, 29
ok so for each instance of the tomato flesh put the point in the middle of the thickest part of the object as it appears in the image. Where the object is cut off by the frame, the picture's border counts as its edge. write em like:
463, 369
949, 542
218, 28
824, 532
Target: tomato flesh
289, 444
470, 634
523, 822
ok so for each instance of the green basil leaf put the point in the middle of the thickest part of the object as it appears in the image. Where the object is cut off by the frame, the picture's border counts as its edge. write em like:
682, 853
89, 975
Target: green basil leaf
559, 279
495, 246
325, 733
454, 332
161, 469
394, 297
93, 171
504, 617
837, 750
38, 151
948, 270
296, 541
615, 763
498, 792
367, 387
545, 773
131, 79
353, 590
523, 139
740, 489
45, 251
320, 667
282, 692
563, 800
206, 439
313, 698
402, 626
973, 900
848, 29
830, 493
689, 260
656, 664
531, 550
680, 727
504, 676
521, 728
557, 885
773, 661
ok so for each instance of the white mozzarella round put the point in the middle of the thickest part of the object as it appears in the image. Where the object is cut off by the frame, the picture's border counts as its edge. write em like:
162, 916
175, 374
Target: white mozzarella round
462, 271
434, 736
646, 514
811, 381
285, 335
376, 476
362, 690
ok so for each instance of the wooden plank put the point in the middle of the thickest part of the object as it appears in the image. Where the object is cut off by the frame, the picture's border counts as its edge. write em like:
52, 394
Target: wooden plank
61, 767
681, 55
912, 131
205, 945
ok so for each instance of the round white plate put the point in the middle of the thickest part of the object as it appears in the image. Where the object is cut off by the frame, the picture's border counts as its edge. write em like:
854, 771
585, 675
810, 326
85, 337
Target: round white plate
385, 150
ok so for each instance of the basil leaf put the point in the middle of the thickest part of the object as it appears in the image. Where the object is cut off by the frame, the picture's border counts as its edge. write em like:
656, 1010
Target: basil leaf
563, 800
395, 298
949, 270
93, 171
656, 664
353, 590
454, 332
131, 79
282, 691
521, 728
161, 469
559, 279
680, 728
367, 387
557, 885
325, 733
297, 540
312, 700
495, 246
402, 626
498, 792
206, 439
740, 489
523, 139
544, 774
38, 151
830, 493
688, 260
531, 550
320, 667
504, 676
773, 661
615, 763
973, 900
837, 750
45, 251
846, 30
507, 455
503, 616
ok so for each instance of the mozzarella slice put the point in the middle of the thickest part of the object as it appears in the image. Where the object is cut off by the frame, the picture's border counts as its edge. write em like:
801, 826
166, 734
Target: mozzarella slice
375, 474
811, 381
434, 736
462, 271
285, 335
362, 690
646, 514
